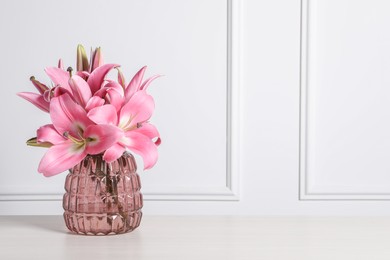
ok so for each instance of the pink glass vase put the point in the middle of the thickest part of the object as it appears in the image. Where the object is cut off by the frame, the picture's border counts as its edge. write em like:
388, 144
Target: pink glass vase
103, 198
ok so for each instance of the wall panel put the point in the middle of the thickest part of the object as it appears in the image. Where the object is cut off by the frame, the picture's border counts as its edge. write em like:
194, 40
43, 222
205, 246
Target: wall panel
345, 94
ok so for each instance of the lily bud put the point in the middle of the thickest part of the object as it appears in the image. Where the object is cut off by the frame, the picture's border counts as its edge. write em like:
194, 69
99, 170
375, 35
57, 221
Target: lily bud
40, 86
97, 59
82, 60
33, 142
60, 64
121, 78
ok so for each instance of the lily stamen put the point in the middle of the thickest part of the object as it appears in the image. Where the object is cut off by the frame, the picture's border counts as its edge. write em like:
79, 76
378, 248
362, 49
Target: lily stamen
69, 69
74, 139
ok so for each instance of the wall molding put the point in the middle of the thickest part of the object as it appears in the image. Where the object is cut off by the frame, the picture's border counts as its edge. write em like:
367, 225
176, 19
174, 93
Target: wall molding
229, 192
314, 191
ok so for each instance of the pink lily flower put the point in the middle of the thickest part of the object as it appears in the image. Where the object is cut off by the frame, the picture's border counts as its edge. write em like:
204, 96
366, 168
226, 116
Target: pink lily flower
95, 79
73, 136
80, 89
110, 92
37, 99
93, 115
136, 83
132, 119
42, 100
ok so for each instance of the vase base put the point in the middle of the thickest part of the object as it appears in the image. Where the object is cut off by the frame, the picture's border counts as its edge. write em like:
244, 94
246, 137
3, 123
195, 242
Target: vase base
102, 224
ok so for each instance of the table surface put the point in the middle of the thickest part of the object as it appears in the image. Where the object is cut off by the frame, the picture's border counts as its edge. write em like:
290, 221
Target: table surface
202, 237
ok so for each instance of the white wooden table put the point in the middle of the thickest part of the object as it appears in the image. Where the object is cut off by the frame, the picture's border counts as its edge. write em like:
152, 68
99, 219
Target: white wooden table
207, 237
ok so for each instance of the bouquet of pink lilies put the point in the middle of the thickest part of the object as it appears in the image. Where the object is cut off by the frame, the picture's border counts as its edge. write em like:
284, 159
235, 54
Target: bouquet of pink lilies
91, 114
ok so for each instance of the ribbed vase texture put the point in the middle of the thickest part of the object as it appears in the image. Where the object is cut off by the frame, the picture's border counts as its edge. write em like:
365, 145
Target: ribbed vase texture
103, 198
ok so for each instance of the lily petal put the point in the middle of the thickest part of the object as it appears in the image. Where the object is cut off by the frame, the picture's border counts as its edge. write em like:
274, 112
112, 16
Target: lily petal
68, 116
36, 99
104, 115
83, 74
150, 131
134, 84
138, 110
115, 99
94, 102
147, 82
61, 157
80, 89
114, 152
101, 137
106, 87
58, 91
142, 145
59, 77
114, 85
97, 76
48, 133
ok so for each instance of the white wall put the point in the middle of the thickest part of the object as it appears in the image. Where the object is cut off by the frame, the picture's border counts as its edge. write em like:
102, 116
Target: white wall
230, 105
345, 100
